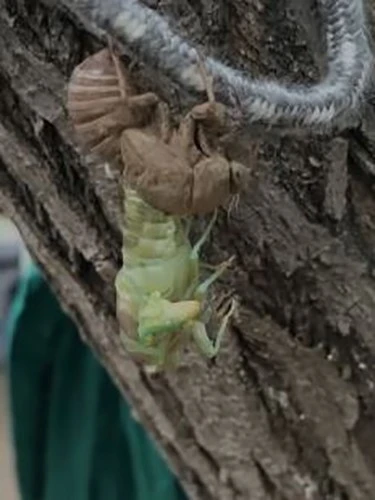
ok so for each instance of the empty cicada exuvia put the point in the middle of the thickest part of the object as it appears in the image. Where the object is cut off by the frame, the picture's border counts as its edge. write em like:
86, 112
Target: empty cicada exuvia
102, 103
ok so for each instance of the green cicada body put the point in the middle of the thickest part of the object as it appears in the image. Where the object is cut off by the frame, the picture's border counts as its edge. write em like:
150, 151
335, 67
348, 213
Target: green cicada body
160, 302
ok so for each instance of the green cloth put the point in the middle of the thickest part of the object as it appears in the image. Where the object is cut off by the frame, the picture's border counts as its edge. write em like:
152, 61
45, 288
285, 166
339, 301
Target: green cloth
74, 436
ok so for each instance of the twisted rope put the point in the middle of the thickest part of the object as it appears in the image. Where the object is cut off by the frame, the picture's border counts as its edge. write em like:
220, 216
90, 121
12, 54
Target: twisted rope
334, 103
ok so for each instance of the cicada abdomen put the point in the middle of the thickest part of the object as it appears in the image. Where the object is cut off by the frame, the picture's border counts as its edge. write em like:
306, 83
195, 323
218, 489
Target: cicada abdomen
161, 301
101, 104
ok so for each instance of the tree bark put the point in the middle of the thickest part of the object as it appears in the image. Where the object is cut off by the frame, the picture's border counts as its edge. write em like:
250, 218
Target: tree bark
286, 410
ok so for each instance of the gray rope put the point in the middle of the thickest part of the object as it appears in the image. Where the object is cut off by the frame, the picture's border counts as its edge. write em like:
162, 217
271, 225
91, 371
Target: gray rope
334, 103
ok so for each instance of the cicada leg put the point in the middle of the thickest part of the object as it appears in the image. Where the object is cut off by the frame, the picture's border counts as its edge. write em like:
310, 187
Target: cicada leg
123, 87
198, 245
195, 290
194, 256
201, 290
155, 359
172, 349
164, 121
135, 347
202, 340
146, 100
167, 355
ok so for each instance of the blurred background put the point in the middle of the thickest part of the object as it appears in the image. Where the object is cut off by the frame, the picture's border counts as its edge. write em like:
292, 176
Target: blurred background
13, 257
7, 475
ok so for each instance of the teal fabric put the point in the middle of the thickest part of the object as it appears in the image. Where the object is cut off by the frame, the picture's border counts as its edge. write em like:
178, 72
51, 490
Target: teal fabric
74, 437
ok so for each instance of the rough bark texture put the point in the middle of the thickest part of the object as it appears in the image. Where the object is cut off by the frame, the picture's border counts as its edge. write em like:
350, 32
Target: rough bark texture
287, 411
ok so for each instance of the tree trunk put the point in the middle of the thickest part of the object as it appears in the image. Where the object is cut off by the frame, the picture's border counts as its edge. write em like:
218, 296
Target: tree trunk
286, 410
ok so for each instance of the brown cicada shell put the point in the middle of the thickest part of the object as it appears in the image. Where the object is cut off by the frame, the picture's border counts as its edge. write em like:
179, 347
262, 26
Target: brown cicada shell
181, 171
102, 103
178, 171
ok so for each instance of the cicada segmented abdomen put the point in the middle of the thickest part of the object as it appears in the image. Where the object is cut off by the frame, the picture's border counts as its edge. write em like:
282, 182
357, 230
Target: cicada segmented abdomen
100, 104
